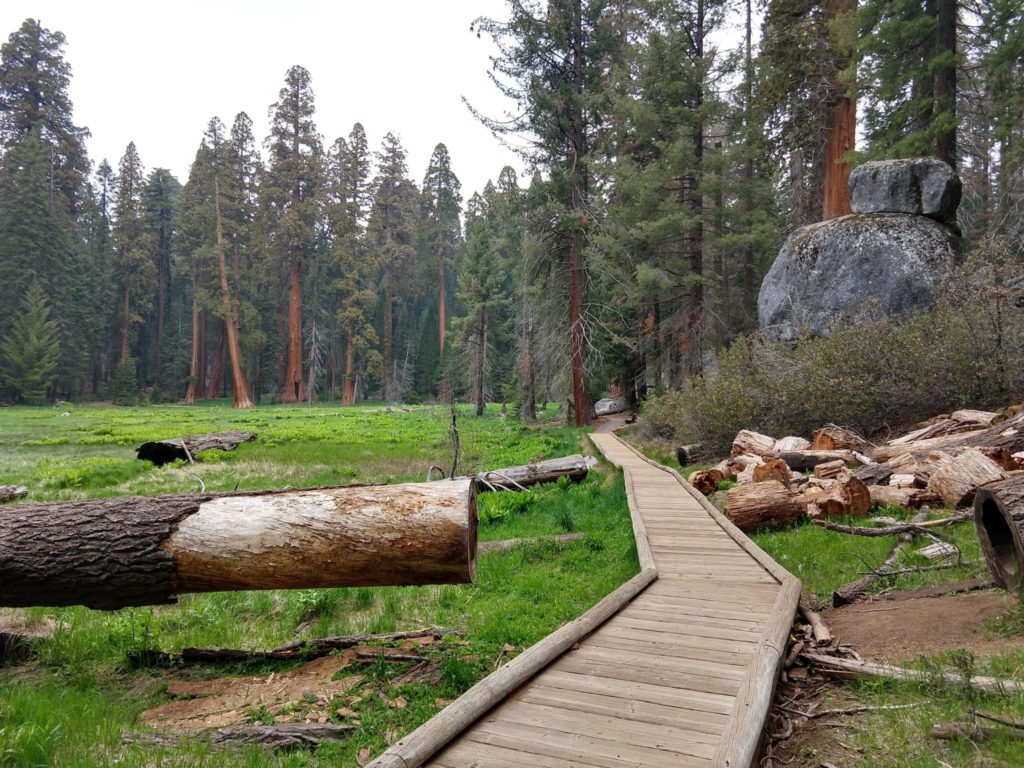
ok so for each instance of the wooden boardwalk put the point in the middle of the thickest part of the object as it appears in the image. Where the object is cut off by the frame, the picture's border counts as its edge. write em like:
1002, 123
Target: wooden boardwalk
680, 675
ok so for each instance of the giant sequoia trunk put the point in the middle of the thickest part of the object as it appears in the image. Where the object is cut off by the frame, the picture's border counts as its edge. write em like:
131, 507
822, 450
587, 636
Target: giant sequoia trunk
842, 133
195, 384
111, 553
999, 519
348, 390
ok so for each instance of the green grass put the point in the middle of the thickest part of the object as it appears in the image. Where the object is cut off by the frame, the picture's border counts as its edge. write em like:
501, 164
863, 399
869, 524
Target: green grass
72, 704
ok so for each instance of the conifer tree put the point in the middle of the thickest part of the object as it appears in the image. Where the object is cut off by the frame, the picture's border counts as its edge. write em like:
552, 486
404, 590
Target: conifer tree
133, 244
441, 207
161, 201
291, 202
31, 348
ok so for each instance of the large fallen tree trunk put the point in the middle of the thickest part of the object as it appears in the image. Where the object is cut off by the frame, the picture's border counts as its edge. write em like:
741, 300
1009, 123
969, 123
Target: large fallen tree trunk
957, 479
162, 452
999, 519
111, 553
512, 478
802, 461
767, 503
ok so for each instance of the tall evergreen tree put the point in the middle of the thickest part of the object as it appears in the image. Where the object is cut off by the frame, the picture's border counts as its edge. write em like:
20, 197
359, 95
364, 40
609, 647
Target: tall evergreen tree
31, 349
34, 80
291, 200
161, 201
133, 244
440, 226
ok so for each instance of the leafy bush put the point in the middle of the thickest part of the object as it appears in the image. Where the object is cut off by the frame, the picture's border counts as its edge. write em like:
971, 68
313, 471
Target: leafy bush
871, 373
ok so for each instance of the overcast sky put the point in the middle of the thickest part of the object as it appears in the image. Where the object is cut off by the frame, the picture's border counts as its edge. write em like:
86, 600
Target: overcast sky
154, 73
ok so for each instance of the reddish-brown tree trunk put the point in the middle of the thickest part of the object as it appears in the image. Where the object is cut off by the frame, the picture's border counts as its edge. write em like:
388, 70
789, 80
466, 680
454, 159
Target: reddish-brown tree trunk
229, 327
217, 374
945, 80
842, 133
203, 356
348, 392
441, 298
193, 368
161, 313
294, 388
125, 326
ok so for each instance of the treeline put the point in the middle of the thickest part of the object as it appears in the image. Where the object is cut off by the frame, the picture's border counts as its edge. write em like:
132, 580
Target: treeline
666, 171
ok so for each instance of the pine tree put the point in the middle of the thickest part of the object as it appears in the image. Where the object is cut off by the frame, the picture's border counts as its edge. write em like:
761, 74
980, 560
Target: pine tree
441, 208
291, 201
31, 348
133, 244
160, 199
391, 239
34, 80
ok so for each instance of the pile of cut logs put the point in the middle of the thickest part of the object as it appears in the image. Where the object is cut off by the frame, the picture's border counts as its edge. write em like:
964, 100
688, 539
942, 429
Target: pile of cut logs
941, 462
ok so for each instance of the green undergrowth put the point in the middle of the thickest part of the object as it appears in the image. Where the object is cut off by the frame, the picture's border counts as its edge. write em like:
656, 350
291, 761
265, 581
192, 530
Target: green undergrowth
72, 704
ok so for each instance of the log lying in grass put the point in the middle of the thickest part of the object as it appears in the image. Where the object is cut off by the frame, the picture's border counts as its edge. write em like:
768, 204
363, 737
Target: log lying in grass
776, 469
512, 478
12, 492
999, 520
908, 498
754, 444
706, 481
957, 479
756, 504
278, 736
689, 454
848, 668
112, 553
846, 495
162, 452
923, 447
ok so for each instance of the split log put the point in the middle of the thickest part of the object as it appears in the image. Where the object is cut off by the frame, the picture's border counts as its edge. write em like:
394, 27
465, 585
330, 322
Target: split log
967, 416
829, 469
162, 452
758, 504
689, 454
999, 520
1002, 456
908, 498
923, 447
706, 481
873, 474
940, 550
846, 496
12, 492
746, 475
832, 438
791, 443
903, 481
802, 461
903, 464
574, 467
776, 469
738, 463
112, 553
748, 442
957, 480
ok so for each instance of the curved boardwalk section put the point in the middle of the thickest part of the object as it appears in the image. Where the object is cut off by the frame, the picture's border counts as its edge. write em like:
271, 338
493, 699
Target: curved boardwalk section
676, 672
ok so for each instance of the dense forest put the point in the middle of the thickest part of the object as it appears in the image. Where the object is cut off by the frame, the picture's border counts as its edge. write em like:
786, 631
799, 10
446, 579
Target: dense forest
666, 169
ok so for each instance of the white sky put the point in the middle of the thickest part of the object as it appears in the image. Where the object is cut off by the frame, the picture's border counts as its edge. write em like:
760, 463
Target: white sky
154, 73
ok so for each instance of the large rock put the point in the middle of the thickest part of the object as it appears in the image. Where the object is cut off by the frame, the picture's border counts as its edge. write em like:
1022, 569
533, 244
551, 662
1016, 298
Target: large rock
922, 185
834, 267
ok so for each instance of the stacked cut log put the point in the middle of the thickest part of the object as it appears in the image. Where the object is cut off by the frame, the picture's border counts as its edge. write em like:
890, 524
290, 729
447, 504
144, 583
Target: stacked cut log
843, 494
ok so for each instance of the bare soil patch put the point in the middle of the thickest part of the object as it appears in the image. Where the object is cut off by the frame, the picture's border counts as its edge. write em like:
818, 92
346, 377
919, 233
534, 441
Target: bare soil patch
901, 630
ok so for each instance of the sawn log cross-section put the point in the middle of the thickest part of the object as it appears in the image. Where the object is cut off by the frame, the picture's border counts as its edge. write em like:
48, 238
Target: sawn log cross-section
676, 668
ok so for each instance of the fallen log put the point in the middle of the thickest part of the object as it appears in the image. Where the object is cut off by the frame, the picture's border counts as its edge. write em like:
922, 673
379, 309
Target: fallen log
12, 492
574, 467
829, 469
873, 474
971, 732
504, 545
957, 479
893, 530
802, 461
276, 737
689, 454
706, 481
112, 553
850, 593
846, 496
861, 669
924, 447
819, 629
162, 452
999, 520
908, 498
757, 504
791, 443
832, 437
753, 443
776, 469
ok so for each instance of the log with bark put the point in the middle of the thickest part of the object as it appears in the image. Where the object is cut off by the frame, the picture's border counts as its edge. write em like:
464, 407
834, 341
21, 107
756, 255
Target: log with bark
845, 496
957, 479
921, 448
758, 504
849, 668
753, 443
908, 498
855, 590
12, 492
802, 461
112, 553
776, 469
689, 454
832, 438
706, 481
874, 474
999, 520
791, 443
574, 467
829, 469
162, 452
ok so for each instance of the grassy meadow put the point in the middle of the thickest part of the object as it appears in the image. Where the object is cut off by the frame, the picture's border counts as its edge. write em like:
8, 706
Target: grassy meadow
72, 705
